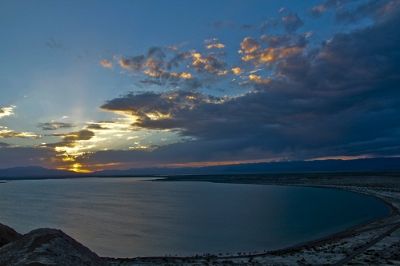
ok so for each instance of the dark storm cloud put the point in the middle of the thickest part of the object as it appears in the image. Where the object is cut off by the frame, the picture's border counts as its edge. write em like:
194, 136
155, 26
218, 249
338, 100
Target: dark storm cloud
54, 125
342, 99
165, 104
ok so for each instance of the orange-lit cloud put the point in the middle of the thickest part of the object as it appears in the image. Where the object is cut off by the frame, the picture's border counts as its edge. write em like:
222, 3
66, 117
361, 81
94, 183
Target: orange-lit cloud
236, 70
208, 63
182, 75
214, 43
249, 45
70, 147
106, 63
252, 51
258, 79
215, 46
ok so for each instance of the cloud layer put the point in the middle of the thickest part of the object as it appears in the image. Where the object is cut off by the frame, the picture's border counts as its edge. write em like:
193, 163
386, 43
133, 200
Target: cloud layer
273, 93
341, 99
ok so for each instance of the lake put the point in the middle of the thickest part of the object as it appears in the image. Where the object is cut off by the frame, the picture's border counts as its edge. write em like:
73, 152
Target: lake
128, 217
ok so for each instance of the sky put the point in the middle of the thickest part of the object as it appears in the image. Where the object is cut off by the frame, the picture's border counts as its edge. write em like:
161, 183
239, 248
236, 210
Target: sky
93, 85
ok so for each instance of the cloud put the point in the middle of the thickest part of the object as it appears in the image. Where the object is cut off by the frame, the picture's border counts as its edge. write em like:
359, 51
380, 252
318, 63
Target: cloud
134, 63
291, 22
296, 101
285, 40
252, 50
176, 68
55, 125
208, 63
97, 126
349, 11
25, 156
5, 132
69, 148
249, 45
200, 70
54, 44
71, 138
7, 111
106, 63
236, 70
258, 79
8, 133
321, 102
147, 108
214, 44
165, 67
320, 9
377, 10
152, 64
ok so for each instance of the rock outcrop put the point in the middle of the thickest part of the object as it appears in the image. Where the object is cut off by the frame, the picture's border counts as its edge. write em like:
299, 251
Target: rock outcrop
43, 247
7, 235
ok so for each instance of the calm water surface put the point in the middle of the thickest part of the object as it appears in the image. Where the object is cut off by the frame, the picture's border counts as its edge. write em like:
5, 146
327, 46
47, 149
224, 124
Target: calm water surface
126, 217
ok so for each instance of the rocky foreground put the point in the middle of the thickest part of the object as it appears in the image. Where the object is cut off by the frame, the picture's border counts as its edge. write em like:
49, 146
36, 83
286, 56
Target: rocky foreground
43, 247
376, 243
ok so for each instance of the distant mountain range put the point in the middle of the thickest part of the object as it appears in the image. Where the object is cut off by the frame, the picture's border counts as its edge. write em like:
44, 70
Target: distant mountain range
359, 165
33, 172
